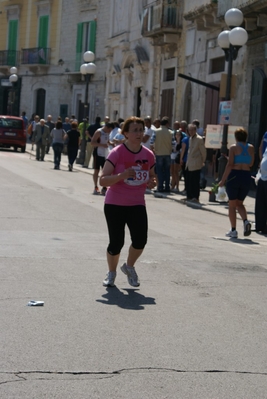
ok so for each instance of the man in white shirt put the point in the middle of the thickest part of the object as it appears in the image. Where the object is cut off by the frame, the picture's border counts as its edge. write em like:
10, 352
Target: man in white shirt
148, 132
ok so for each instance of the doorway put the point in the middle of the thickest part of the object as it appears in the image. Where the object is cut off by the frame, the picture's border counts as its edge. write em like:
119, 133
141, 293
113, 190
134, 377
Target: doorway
40, 103
167, 104
257, 115
138, 101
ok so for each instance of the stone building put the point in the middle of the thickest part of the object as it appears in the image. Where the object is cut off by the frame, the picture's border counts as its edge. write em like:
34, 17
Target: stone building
205, 61
29, 40
45, 40
143, 54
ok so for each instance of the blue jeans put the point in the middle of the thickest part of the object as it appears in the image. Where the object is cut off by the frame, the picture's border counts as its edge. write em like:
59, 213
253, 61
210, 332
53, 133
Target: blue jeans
163, 164
57, 147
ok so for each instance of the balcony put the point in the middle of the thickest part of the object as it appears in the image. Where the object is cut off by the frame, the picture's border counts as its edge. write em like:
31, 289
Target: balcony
204, 16
8, 58
162, 18
36, 57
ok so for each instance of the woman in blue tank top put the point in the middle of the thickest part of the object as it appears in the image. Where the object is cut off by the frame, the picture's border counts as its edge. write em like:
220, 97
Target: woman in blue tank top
238, 178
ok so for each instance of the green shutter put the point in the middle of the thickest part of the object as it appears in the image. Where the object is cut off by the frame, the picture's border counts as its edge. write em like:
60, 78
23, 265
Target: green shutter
43, 31
79, 46
43, 39
12, 42
92, 36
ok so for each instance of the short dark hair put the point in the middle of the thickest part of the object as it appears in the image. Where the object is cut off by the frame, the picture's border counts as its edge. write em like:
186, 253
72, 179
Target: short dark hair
132, 119
59, 125
241, 135
109, 125
97, 119
164, 121
196, 122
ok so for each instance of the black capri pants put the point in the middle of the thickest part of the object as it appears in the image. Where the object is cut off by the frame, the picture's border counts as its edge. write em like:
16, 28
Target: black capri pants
135, 217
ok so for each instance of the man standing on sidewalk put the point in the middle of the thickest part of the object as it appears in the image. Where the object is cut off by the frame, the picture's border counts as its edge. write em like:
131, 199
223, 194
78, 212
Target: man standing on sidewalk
100, 141
161, 143
195, 160
51, 126
41, 136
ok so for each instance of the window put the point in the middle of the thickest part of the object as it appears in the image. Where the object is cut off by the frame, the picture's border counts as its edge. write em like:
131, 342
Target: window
217, 65
43, 39
169, 74
86, 40
12, 42
10, 123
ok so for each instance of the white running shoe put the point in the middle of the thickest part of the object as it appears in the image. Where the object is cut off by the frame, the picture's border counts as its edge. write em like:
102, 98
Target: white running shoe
232, 234
131, 275
110, 279
247, 228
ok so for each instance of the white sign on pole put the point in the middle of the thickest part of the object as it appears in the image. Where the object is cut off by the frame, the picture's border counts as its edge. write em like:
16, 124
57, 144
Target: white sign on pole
214, 136
225, 110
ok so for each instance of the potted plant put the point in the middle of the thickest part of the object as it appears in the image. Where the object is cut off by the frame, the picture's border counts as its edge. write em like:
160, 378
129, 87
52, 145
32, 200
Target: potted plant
213, 192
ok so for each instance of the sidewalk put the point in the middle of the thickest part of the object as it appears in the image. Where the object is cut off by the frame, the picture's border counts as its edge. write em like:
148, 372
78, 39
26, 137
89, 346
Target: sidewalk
216, 207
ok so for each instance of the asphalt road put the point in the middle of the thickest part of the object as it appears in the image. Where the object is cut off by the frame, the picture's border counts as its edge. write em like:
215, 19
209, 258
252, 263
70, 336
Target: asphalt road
195, 328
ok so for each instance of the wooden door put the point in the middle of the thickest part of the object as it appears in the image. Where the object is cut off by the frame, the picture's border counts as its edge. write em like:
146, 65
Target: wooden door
258, 106
167, 104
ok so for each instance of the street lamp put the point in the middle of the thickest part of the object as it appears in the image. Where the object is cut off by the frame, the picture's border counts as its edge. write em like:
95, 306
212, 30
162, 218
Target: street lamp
230, 41
13, 78
87, 70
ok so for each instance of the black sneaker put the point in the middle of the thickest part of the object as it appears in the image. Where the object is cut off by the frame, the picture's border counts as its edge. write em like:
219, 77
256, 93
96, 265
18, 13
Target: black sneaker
247, 228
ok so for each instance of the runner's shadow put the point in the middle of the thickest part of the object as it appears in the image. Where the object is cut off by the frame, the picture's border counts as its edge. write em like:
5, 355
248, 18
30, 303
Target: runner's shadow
132, 301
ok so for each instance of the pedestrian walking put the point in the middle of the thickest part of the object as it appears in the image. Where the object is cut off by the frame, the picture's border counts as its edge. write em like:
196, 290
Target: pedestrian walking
41, 136
57, 135
100, 142
128, 171
238, 178
72, 137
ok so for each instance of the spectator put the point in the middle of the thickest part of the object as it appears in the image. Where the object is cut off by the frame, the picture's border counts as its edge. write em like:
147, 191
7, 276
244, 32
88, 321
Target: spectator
175, 161
25, 120
263, 145
200, 130
100, 141
51, 126
73, 140
89, 135
113, 134
148, 132
184, 153
66, 124
58, 134
41, 136
161, 143
261, 198
195, 160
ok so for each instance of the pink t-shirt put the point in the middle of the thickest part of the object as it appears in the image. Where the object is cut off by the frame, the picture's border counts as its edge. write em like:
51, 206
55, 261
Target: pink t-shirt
131, 191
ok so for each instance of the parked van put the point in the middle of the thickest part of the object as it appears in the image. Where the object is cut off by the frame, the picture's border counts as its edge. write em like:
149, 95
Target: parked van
12, 132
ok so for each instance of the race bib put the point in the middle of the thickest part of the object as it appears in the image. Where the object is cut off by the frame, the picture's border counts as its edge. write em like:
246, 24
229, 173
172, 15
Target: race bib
141, 176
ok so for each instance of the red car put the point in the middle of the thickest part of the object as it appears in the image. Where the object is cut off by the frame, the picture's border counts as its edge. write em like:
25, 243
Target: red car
12, 132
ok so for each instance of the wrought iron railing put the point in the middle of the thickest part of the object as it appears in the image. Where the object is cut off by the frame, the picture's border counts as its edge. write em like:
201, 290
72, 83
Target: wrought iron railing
37, 55
162, 16
9, 57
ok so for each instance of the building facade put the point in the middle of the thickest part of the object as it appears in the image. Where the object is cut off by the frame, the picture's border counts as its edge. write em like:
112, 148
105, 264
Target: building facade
143, 54
45, 40
29, 40
153, 57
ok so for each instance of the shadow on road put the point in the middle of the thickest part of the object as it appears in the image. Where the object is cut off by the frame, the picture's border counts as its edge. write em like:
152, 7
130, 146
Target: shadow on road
132, 300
